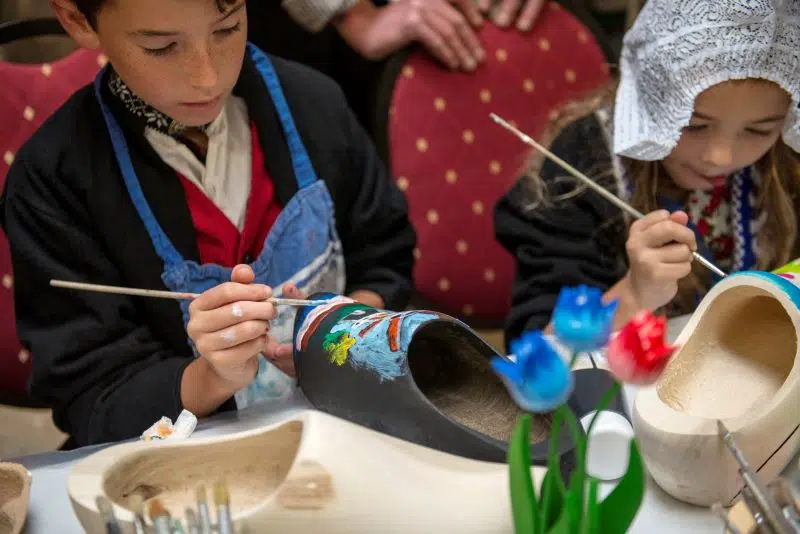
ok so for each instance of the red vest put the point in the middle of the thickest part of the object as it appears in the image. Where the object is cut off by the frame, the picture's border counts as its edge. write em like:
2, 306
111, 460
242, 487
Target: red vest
218, 240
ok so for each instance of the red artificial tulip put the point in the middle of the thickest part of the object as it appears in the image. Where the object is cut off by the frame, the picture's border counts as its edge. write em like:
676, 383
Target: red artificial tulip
638, 353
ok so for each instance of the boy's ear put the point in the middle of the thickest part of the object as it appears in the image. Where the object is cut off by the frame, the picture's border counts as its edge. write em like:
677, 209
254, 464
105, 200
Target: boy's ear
76, 24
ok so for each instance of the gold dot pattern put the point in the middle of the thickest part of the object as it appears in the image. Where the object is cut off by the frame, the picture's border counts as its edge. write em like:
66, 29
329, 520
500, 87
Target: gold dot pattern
8, 281
102, 59
47, 69
8, 158
441, 212
29, 113
24, 356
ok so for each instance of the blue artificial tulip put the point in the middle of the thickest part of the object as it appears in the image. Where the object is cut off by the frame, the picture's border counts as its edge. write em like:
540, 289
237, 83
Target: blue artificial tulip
581, 321
539, 380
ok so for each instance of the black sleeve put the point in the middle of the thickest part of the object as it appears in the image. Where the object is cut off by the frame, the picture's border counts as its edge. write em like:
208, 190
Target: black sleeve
571, 241
101, 371
376, 233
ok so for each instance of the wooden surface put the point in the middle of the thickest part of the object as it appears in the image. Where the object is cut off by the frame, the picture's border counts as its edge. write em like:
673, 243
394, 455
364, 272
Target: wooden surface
308, 470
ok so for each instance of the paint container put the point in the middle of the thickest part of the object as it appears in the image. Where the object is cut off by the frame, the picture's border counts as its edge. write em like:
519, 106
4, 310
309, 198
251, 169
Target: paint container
608, 447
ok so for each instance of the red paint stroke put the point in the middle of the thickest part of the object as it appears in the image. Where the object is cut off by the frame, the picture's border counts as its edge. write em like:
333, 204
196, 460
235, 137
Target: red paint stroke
373, 323
393, 333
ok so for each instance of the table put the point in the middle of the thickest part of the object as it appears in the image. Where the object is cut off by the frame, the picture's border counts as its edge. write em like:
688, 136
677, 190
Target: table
50, 509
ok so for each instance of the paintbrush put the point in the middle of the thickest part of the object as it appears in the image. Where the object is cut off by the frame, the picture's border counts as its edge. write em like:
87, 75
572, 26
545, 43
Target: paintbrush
202, 510
755, 495
611, 197
191, 522
175, 295
719, 511
137, 506
107, 513
160, 517
222, 501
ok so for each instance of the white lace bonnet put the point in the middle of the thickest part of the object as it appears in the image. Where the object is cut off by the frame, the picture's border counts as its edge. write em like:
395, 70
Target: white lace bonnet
677, 49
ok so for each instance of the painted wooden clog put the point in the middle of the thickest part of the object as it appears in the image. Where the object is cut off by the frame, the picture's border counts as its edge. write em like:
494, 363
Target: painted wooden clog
307, 474
738, 362
421, 376
15, 490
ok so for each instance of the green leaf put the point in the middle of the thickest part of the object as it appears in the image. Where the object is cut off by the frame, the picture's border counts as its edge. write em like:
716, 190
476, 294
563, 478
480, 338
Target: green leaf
577, 483
569, 518
591, 519
553, 488
618, 510
523, 497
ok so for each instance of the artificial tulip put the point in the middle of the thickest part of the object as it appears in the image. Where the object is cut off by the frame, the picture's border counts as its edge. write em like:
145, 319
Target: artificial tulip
581, 321
638, 353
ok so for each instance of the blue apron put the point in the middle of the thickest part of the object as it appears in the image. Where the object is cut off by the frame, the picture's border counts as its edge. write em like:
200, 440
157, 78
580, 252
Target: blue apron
302, 248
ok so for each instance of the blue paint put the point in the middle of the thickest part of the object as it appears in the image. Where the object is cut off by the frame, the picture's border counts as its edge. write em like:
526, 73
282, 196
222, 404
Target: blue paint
789, 287
372, 352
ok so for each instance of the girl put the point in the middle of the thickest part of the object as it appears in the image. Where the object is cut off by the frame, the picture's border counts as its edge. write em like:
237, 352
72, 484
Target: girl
702, 137
191, 154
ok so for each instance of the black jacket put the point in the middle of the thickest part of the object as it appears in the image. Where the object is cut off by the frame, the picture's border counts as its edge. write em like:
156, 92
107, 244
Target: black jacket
111, 365
571, 241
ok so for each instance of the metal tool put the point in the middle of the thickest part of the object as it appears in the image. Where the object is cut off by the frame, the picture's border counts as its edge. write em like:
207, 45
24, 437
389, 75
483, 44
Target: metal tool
768, 514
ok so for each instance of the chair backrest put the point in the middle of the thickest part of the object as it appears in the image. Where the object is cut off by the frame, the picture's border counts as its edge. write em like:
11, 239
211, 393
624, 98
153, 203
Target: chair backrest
29, 94
454, 162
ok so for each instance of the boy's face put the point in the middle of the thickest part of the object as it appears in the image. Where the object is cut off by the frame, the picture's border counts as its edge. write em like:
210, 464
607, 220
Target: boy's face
182, 57
734, 124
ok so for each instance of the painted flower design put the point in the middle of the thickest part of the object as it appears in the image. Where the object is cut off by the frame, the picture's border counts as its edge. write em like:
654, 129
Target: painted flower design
581, 321
638, 353
539, 380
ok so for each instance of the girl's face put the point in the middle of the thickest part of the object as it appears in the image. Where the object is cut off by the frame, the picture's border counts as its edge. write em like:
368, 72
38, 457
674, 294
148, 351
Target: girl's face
183, 57
734, 124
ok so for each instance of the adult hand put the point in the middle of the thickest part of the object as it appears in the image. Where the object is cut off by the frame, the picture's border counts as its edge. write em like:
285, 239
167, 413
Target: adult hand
659, 248
441, 28
282, 354
524, 12
229, 325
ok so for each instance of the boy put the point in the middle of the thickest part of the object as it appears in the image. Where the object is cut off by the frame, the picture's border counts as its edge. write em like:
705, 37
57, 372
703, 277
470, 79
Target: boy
191, 154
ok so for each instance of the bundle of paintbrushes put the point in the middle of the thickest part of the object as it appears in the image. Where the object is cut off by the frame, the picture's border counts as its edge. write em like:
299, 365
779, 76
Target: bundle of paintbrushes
773, 508
195, 521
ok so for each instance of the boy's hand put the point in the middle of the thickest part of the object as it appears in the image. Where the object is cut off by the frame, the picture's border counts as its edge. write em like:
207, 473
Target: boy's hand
229, 325
659, 247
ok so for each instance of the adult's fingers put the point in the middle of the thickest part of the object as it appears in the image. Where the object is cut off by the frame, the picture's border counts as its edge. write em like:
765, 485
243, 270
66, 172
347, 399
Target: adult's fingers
239, 357
290, 291
530, 13
243, 274
451, 26
471, 10
507, 12
435, 44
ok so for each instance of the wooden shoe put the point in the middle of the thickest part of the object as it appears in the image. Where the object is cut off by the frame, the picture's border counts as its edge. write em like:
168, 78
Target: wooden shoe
738, 362
308, 474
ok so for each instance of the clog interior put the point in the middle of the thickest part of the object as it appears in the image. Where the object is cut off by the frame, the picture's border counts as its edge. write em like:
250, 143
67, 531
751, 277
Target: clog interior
740, 354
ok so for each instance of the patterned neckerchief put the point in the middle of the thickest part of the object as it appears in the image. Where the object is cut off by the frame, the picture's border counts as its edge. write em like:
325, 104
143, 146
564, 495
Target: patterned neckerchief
143, 112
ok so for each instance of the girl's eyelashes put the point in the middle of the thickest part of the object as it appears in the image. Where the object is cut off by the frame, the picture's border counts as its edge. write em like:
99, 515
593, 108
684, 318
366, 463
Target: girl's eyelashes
159, 51
694, 127
223, 32
761, 133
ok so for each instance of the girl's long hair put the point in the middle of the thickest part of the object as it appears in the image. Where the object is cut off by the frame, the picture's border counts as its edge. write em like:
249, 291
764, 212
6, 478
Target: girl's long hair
777, 197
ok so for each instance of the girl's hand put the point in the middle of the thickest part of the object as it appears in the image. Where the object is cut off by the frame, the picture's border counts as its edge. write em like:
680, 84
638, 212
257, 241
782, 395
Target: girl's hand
659, 248
229, 325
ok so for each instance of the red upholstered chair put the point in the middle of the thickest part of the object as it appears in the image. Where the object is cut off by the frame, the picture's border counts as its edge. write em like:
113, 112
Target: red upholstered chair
29, 94
453, 162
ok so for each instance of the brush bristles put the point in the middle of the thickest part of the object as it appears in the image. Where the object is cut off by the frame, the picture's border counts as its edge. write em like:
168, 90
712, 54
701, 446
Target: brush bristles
156, 509
221, 497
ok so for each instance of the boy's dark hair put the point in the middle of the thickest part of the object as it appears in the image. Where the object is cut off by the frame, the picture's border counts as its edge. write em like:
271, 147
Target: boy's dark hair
89, 8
